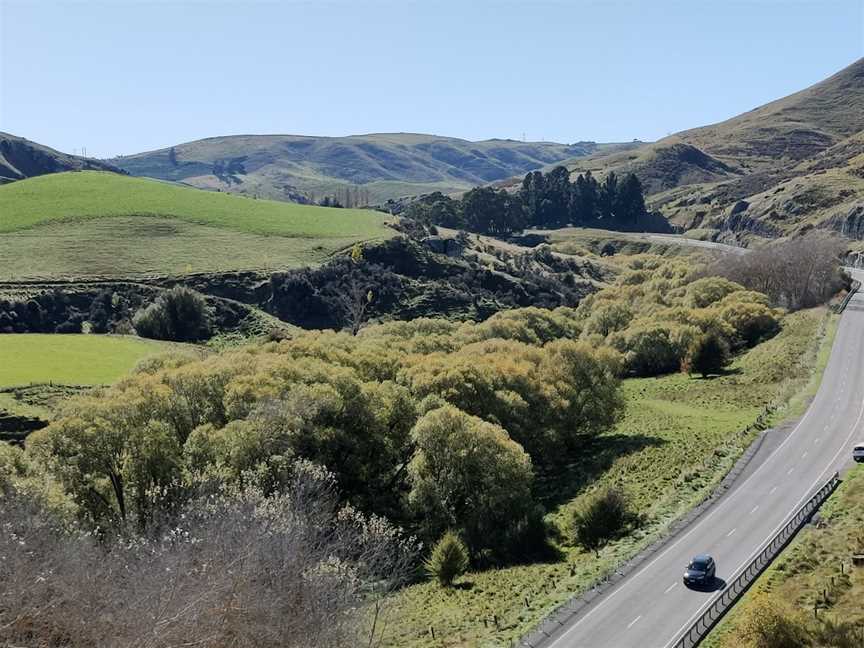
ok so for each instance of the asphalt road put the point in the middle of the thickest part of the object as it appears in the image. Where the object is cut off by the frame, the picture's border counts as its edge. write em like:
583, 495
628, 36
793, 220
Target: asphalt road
676, 239
652, 608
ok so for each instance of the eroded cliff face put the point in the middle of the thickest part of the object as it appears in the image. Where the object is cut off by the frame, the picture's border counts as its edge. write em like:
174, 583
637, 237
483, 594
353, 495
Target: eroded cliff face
850, 224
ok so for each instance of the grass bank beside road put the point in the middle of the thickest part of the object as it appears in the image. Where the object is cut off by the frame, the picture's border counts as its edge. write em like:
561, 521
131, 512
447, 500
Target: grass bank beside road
678, 438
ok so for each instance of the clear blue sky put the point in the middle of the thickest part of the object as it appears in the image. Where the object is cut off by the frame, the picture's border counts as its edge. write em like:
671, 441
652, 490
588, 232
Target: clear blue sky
125, 76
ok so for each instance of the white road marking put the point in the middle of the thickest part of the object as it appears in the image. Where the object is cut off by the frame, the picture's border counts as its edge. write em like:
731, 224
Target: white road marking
632, 623
816, 441
771, 492
790, 471
804, 456
754, 509
670, 588
731, 532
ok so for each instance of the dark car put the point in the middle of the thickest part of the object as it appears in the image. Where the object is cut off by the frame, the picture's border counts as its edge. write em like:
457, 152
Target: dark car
700, 570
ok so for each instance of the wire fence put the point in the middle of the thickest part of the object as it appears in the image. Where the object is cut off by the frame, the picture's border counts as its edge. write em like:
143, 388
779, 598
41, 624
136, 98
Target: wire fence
703, 625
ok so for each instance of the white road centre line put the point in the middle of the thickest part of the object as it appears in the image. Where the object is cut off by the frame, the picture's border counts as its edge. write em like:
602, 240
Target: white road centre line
790, 471
771, 492
731, 532
804, 456
670, 588
633, 622
754, 509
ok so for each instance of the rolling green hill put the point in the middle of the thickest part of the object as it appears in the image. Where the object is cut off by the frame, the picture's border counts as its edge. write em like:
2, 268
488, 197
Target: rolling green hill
782, 168
21, 158
73, 225
373, 168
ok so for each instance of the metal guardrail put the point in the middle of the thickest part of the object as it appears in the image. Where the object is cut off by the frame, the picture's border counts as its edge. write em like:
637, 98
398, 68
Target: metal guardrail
856, 286
703, 625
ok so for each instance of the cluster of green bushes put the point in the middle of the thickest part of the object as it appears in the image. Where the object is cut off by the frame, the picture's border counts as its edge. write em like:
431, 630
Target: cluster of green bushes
662, 318
55, 311
434, 424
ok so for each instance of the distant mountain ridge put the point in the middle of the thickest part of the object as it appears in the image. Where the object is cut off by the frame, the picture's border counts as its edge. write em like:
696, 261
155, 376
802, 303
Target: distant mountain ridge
20, 158
364, 168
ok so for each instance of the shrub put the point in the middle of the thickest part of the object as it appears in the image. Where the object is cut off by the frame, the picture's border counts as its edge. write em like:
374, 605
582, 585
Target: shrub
468, 475
180, 314
13, 463
609, 318
708, 354
706, 291
449, 559
602, 518
752, 322
227, 570
768, 624
652, 349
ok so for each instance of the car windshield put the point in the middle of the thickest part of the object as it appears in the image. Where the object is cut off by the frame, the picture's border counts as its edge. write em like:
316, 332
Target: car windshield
699, 565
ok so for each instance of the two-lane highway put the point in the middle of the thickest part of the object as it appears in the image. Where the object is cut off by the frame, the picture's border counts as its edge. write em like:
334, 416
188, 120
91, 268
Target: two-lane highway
652, 607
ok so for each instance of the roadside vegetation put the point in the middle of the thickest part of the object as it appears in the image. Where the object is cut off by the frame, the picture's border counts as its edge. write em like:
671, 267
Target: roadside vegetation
811, 595
492, 442
612, 246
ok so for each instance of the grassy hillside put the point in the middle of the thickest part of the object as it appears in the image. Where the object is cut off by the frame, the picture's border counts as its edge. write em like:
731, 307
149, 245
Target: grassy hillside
789, 165
660, 166
102, 224
72, 359
796, 127
383, 165
21, 158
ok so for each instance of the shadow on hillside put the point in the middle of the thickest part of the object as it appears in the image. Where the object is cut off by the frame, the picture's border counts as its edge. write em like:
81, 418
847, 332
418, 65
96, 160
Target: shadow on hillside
561, 484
